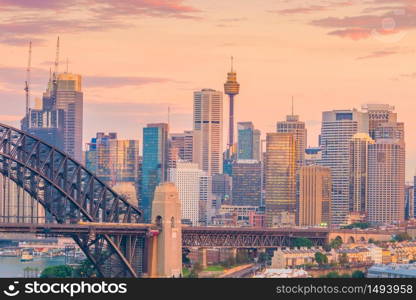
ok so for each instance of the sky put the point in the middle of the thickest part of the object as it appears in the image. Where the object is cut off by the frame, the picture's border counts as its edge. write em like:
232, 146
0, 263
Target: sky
139, 57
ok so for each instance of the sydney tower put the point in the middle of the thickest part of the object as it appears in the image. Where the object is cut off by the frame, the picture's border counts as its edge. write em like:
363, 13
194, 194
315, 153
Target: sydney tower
231, 88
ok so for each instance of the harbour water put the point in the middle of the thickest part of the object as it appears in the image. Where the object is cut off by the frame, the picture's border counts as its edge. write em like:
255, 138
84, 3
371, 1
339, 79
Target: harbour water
12, 267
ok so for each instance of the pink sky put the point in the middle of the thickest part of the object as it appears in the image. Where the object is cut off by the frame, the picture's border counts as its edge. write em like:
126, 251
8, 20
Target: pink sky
140, 56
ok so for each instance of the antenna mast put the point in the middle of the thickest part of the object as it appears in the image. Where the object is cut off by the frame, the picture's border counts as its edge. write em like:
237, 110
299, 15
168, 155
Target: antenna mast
56, 67
55, 73
27, 82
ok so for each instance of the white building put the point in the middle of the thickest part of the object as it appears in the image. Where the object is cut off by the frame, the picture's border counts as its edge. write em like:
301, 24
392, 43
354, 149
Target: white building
392, 271
194, 187
208, 127
338, 127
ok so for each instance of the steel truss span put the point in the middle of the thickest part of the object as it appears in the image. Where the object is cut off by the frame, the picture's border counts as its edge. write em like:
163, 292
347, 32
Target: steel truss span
205, 237
70, 194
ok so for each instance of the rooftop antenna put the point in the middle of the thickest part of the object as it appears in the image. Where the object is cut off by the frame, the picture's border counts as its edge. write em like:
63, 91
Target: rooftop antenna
292, 107
56, 64
232, 63
27, 82
168, 116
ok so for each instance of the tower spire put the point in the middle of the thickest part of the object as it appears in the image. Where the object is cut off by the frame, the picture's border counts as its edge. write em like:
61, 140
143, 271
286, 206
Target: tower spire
232, 63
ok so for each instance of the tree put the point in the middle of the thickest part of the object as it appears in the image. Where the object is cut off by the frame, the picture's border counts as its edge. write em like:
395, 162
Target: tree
332, 275
358, 274
185, 257
197, 267
264, 257
85, 270
242, 257
320, 258
343, 259
62, 271
302, 242
402, 237
336, 243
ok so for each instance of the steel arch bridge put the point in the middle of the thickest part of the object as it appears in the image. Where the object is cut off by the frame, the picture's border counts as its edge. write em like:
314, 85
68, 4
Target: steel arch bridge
70, 194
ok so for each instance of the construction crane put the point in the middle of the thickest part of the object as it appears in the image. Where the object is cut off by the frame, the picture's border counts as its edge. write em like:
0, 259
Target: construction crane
27, 82
55, 72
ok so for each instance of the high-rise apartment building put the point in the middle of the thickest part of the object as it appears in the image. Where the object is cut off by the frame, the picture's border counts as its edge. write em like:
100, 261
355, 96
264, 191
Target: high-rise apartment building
359, 172
338, 127
293, 125
193, 187
69, 98
386, 175
314, 196
248, 141
154, 165
280, 169
246, 182
208, 127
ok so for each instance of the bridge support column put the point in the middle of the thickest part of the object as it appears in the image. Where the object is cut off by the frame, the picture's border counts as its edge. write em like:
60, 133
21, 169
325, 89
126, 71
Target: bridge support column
166, 214
202, 257
234, 252
152, 256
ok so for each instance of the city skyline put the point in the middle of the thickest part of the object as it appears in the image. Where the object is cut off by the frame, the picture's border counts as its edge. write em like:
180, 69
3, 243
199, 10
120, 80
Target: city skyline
123, 70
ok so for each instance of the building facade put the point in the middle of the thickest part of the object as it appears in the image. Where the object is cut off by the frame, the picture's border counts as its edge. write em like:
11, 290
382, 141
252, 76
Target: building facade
246, 182
338, 127
69, 98
154, 165
280, 169
359, 172
208, 127
314, 196
386, 177
248, 141
293, 125
194, 195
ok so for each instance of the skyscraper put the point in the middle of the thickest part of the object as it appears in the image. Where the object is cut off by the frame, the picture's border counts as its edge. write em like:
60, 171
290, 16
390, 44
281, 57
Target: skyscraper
231, 88
293, 125
208, 128
386, 176
248, 141
338, 127
246, 181
378, 114
194, 194
314, 196
359, 172
280, 200
115, 162
69, 98
181, 147
154, 165
97, 155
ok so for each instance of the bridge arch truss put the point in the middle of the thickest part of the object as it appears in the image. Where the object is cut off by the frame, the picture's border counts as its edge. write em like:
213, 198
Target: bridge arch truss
70, 194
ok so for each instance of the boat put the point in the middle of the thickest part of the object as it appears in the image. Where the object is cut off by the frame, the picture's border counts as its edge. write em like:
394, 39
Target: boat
26, 256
